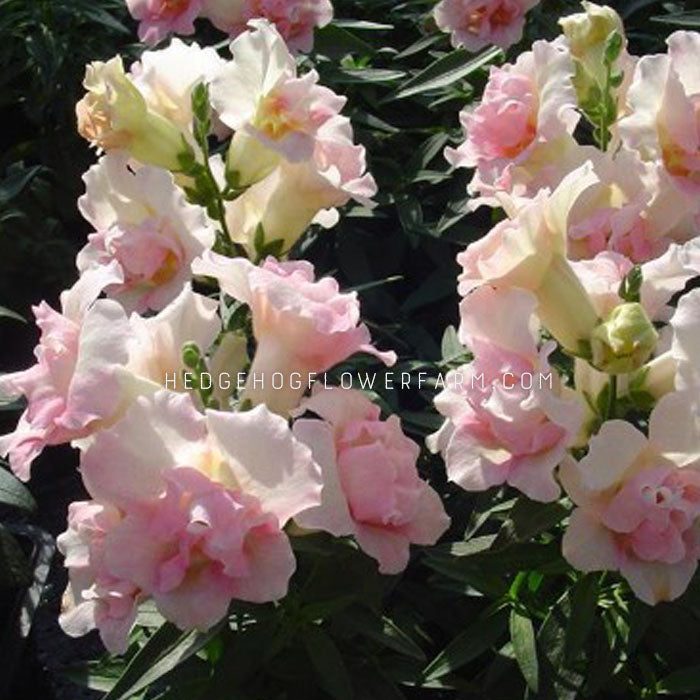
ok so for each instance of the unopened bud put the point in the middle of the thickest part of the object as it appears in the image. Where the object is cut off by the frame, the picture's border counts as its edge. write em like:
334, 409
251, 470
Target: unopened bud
624, 342
191, 355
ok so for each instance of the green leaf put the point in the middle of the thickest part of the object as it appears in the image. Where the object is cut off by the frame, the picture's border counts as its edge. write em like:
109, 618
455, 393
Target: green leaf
328, 663
373, 285
163, 652
451, 348
97, 675
455, 66
584, 604
14, 493
362, 25
17, 181
428, 150
681, 682
522, 635
382, 630
682, 19
517, 557
631, 285
200, 108
14, 568
8, 313
333, 40
557, 680
529, 518
245, 652
468, 645
421, 45
100, 16
613, 47
367, 75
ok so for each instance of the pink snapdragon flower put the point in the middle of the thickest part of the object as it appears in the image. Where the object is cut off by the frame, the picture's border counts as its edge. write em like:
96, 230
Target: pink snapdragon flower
200, 545
143, 223
303, 326
638, 501
155, 343
295, 195
662, 278
653, 126
158, 18
508, 418
94, 360
275, 114
475, 24
73, 386
371, 488
95, 598
663, 112
519, 136
633, 210
295, 20
529, 250
167, 77
202, 502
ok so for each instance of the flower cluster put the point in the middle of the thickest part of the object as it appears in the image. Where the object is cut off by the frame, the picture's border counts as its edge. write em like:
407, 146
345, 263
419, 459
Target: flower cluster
194, 491
294, 19
596, 242
209, 173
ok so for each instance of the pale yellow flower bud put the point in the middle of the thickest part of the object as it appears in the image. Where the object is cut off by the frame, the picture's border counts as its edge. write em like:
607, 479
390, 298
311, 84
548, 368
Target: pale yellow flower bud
114, 115
624, 342
588, 33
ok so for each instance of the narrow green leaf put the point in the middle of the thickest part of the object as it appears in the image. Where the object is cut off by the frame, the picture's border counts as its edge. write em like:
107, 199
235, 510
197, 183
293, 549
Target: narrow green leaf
164, 651
360, 24
333, 40
12, 185
522, 635
584, 603
450, 346
468, 645
448, 69
683, 19
681, 682
328, 663
367, 75
8, 313
530, 518
14, 568
421, 45
527, 556
14, 493
382, 630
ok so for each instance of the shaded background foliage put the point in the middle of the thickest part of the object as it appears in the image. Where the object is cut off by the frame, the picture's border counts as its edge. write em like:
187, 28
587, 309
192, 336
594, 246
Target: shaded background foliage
495, 615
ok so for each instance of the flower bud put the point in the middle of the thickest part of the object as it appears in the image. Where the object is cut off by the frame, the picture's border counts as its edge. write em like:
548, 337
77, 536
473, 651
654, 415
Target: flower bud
596, 39
588, 31
191, 355
625, 341
114, 115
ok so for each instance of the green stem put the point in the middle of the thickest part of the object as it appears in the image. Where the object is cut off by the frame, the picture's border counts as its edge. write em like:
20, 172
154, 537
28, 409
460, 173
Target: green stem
220, 205
612, 397
604, 112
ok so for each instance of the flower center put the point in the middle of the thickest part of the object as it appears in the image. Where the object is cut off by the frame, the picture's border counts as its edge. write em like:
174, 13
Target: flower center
95, 124
172, 8
679, 161
274, 118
